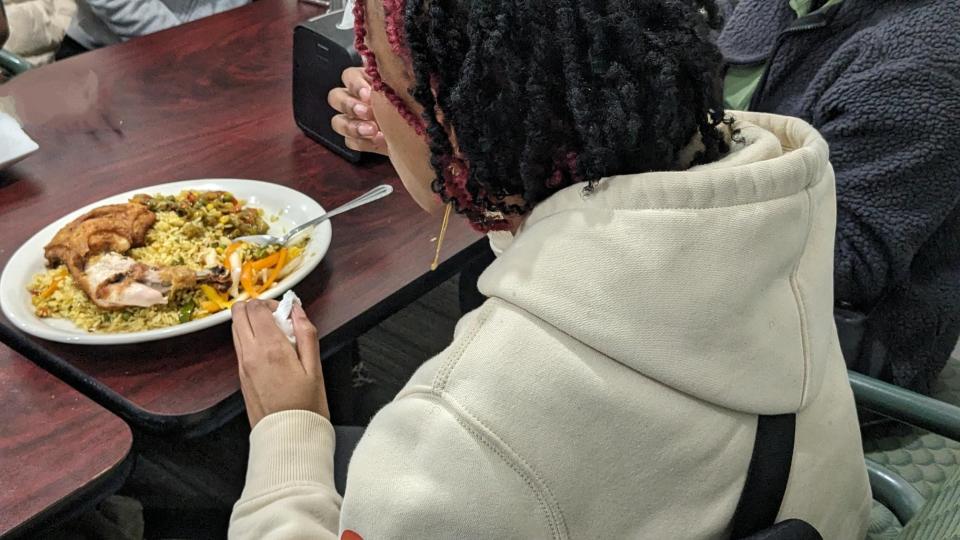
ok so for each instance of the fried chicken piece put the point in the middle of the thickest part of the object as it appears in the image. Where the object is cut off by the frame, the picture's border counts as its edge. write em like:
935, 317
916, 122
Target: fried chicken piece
114, 227
115, 281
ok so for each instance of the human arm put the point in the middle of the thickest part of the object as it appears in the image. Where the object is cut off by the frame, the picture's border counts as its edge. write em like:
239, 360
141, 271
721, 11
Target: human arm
417, 473
356, 121
289, 492
895, 149
423, 468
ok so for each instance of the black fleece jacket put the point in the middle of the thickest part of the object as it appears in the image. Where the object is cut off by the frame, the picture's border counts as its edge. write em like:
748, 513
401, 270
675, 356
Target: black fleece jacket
880, 79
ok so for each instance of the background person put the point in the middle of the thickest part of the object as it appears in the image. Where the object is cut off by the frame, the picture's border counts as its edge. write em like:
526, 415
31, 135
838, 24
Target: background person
99, 23
37, 27
880, 80
4, 26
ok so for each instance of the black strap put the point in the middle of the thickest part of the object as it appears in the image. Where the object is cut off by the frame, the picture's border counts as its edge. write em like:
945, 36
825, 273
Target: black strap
767, 475
791, 529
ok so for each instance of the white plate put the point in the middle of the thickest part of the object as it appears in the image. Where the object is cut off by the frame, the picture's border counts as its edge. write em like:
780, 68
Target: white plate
292, 207
14, 143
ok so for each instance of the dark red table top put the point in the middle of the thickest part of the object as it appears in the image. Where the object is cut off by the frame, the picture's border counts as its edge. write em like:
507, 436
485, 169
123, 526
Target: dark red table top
210, 99
57, 447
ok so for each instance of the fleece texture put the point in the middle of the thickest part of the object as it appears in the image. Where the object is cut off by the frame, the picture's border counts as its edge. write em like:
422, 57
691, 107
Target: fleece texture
880, 80
610, 385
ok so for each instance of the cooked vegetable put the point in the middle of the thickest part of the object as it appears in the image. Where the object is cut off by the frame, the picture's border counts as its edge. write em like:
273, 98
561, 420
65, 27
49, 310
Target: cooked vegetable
246, 280
229, 251
294, 259
55, 283
186, 311
208, 208
236, 266
268, 261
281, 261
215, 297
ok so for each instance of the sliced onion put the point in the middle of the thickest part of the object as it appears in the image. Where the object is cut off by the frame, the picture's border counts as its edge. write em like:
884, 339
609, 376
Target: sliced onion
236, 269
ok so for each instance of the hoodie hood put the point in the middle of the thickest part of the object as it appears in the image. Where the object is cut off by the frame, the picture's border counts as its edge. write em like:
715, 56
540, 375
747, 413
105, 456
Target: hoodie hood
716, 281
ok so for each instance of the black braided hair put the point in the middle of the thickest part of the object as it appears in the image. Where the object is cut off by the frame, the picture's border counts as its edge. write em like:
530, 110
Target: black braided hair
543, 94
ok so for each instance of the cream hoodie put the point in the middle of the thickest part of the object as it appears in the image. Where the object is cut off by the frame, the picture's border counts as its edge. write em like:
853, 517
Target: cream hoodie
610, 386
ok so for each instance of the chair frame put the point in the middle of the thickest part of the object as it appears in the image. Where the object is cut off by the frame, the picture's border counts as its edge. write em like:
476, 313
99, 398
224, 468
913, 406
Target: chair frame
13, 64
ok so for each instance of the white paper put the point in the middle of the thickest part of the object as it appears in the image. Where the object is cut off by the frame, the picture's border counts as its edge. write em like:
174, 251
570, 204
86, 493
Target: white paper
282, 314
14, 143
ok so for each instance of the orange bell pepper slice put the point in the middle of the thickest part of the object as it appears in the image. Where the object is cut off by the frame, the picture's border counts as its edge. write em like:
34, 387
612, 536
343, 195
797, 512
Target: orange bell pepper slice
272, 277
267, 262
246, 280
229, 251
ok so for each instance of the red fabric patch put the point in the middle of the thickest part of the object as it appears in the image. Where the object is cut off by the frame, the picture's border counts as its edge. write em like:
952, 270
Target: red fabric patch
350, 535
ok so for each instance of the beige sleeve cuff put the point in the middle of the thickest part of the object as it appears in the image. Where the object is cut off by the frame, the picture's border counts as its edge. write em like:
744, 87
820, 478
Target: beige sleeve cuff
289, 447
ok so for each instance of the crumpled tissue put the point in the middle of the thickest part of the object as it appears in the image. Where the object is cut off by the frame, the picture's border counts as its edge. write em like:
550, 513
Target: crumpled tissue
282, 315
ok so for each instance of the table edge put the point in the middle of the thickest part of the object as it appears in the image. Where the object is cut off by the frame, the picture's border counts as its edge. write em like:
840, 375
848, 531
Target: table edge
198, 423
79, 500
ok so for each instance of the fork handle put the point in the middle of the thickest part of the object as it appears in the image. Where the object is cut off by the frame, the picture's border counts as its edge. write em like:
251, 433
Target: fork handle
374, 194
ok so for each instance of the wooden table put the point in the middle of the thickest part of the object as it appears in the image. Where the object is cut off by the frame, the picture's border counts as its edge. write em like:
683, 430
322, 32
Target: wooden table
59, 451
210, 99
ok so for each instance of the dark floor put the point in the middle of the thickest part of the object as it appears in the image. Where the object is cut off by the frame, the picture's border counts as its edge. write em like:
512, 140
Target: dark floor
393, 350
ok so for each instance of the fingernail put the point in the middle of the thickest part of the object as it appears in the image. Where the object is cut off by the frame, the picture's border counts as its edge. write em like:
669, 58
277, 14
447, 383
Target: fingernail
366, 129
364, 93
360, 109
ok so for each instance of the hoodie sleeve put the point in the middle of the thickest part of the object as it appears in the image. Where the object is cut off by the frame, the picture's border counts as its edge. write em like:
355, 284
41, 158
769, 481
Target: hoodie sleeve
892, 131
289, 491
420, 471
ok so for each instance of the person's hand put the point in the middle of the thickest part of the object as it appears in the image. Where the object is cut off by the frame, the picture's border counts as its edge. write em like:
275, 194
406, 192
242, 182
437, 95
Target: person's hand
356, 121
275, 376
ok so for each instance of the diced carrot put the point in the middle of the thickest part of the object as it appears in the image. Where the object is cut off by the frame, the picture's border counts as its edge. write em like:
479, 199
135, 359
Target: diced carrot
54, 284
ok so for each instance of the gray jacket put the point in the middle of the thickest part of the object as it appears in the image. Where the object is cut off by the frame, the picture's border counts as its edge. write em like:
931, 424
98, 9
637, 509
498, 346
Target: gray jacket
105, 22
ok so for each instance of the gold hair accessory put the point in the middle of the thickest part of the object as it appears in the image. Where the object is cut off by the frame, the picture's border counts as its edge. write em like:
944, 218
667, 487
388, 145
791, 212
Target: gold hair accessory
443, 232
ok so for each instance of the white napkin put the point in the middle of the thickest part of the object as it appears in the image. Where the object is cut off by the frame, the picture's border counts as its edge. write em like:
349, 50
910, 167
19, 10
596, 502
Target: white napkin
282, 314
14, 143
